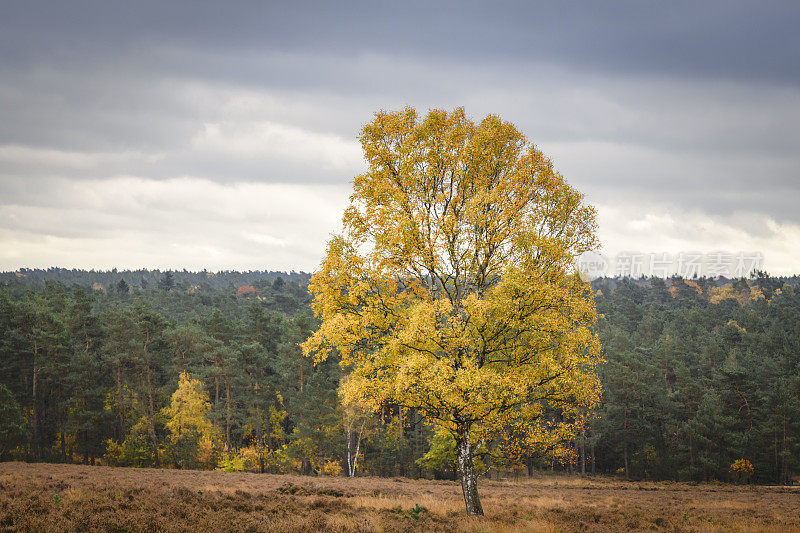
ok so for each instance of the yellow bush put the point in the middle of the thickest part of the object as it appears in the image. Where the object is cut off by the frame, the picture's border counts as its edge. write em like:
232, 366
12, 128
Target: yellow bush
113, 455
742, 469
250, 457
230, 463
333, 468
207, 452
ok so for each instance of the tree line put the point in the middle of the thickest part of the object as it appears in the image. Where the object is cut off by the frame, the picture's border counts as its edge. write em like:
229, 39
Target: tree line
191, 376
699, 376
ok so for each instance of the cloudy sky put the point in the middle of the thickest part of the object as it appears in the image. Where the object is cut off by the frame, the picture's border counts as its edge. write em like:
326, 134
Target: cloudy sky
221, 135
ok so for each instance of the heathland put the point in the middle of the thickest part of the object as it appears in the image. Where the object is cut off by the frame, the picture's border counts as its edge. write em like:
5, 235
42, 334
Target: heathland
56, 497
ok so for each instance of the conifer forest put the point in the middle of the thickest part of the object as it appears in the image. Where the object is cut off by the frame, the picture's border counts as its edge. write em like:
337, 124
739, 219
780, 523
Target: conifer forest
185, 370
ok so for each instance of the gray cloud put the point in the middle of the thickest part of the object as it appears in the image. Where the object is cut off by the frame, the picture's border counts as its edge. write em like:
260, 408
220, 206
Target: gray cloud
688, 105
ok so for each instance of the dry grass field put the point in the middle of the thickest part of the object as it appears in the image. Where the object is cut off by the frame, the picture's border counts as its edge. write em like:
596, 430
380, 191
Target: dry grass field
50, 497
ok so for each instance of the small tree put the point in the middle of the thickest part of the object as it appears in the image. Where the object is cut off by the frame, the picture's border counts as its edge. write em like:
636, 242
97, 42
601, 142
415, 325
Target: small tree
742, 470
190, 430
452, 289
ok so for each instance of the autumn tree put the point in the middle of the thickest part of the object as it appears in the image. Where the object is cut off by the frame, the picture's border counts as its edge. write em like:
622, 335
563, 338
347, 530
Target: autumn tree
190, 430
452, 289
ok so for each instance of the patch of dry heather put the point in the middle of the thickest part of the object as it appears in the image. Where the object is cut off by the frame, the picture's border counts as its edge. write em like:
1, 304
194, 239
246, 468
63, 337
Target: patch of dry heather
48, 497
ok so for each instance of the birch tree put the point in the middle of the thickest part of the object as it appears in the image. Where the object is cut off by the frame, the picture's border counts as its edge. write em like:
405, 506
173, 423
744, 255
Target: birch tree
451, 289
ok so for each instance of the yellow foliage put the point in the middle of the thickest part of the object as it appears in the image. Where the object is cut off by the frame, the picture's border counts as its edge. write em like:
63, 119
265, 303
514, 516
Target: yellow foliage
727, 291
113, 455
275, 461
230, 463
207, 452
188, 423
333, 468
188, 409
756, 293
251, 456
693, 284
742, 469
452, 288
742, 466
723, 292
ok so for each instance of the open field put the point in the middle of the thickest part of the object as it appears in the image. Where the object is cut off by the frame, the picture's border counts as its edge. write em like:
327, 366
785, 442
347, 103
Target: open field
51, 497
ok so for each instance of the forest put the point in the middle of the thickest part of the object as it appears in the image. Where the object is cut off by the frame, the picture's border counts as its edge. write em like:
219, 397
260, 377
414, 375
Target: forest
201, 370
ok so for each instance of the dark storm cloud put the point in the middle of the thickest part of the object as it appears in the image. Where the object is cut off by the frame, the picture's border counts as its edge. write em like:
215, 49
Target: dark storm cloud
712, 38
106, 75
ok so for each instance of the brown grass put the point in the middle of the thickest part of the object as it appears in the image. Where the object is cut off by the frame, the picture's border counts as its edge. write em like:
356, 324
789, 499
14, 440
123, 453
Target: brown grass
49, 497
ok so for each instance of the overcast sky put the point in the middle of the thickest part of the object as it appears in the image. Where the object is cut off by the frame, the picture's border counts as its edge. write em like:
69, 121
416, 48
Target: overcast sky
221, 135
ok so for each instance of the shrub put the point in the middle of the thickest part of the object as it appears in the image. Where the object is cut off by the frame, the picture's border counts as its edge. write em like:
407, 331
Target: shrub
231, 463
742, 470
333, 468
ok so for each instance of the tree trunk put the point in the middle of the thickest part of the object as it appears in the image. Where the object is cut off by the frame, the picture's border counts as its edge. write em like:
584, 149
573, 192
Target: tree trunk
120, 403
625, 441
399, 456
151, 418
417, 467
350, 471
352, 456
466, 468
784, 475
260, 438
583, 453
35, 381
355, 457
227, 413
775, 448
268, 423
625, 458
571, 458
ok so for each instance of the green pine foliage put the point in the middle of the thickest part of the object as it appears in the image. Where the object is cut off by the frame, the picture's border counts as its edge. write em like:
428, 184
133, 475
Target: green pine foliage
699, 374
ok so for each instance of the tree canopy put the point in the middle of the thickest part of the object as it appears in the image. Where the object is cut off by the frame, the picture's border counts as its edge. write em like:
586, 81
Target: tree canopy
451, 289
